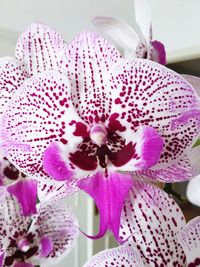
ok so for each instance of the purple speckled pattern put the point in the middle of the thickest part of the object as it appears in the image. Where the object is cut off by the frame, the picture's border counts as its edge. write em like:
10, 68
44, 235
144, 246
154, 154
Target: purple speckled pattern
22, 235
189, 238
90, 60
46, 246
182, 170
39, 47
194, 81
122, 256
153, 219
143, 92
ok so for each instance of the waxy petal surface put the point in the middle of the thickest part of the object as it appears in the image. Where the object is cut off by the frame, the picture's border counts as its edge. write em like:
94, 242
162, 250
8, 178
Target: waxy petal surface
1, 259
109, 194
153, 219
122, 256
56, 222
54, 165
189, 238
146, 93
25, 192
124, 38
12, 75
40, 47
23, 264
46, 246
90, 59
40, 114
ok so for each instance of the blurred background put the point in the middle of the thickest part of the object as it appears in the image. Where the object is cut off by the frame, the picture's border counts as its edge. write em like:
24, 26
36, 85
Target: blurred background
175, 23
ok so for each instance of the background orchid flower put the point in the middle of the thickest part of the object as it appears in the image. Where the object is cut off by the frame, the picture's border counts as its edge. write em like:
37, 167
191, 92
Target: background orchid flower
97, 120
130, 42
42, 239
38, 49
157, 231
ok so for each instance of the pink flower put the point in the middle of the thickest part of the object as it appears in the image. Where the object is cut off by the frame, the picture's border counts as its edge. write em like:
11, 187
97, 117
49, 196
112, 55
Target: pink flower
38, 49
157, 233
130, 42
43, 239
100, 116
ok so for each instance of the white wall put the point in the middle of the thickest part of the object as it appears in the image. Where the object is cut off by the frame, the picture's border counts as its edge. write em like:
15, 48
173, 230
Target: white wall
176, 22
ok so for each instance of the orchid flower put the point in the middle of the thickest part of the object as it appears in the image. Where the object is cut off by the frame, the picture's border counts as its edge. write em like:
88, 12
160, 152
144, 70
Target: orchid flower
42, 239
159, 235
130, 42
99, 117
38, 49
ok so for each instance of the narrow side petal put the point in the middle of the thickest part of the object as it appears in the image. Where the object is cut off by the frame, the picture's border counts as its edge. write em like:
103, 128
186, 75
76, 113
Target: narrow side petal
158, 52
122, 256
109, 194
193, 191
148, 149
147, 93
39, 47
25, 192
46, 246
124, 38
189, 238
55, 165
153, 219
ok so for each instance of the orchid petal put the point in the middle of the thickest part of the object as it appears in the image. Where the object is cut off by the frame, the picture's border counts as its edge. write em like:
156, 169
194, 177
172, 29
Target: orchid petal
143, 19
1, 259
152, 218
109, 194
40, 114
194, 81
26, 193
56, 222
146, 93
40, 47
189, 238
193, 190
54, 190
54, 165
124, 38
90, 58
46, 246
16, 223
159, 53
180, 171
147, 150
23, 264
122, 256
12, 75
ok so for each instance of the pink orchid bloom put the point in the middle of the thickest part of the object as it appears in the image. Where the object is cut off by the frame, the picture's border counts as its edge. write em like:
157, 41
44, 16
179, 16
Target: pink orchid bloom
38, 49
99, 117
157, 231
130, 42
42, 239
